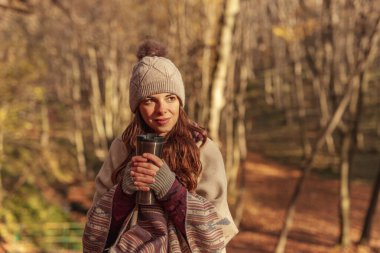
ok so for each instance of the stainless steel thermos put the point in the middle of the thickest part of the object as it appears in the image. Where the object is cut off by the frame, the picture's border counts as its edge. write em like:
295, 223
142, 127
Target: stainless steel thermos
148, 143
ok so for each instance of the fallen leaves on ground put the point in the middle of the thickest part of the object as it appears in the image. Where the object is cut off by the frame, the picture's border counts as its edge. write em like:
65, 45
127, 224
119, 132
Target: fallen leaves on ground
315, 226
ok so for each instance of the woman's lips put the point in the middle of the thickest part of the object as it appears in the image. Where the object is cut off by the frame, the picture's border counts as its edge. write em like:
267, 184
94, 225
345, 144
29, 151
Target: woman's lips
162, 122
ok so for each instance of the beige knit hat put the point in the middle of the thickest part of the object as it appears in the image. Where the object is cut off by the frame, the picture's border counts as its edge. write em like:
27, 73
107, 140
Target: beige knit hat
154, 74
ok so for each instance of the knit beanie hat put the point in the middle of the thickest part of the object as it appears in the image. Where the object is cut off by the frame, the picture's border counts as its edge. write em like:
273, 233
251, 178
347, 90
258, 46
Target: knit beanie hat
154, 74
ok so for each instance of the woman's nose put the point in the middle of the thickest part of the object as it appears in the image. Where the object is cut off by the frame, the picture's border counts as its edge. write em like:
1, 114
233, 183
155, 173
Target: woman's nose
161, 107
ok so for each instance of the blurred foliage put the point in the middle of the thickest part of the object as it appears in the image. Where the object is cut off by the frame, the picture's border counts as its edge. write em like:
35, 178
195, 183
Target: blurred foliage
24, 172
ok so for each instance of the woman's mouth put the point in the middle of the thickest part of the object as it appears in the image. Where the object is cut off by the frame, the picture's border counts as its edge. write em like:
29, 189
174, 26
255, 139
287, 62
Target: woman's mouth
162, 122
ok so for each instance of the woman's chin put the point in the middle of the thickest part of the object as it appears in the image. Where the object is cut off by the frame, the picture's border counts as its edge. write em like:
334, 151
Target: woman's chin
162, 131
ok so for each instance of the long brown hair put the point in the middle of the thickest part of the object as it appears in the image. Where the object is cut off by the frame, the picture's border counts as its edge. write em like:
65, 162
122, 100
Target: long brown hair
180, 152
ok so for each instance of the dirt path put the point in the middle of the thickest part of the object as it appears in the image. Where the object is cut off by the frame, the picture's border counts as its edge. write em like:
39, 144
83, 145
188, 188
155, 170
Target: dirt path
315, 227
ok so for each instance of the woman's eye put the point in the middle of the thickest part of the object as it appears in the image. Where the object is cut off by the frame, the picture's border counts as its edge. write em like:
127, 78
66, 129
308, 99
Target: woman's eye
147, 101
172, 98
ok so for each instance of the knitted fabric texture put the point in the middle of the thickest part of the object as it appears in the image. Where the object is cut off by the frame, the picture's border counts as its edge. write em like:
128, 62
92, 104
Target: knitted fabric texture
164, 181
127, 184
153, 75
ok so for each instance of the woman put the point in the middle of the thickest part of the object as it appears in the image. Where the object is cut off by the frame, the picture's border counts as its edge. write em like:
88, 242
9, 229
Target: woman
190, 211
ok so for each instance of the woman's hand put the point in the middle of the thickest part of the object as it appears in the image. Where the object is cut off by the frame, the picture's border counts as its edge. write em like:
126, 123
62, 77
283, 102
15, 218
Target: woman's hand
144, 169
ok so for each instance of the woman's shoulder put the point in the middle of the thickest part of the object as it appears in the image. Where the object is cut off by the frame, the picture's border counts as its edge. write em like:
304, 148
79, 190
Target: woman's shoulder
118, 146
118, 140
209, 146
210, 153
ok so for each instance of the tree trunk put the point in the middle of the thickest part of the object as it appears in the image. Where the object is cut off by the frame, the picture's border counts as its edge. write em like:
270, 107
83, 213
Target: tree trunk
325, 114
238, 75
3, 116
78, 119
213, 13
219, 81
99, 132
300, 98
328, 76
268, 87
344, 222
348, 149
240, 141
45, 126
110, 85
350, 138
229, 118
366, 231
277, 88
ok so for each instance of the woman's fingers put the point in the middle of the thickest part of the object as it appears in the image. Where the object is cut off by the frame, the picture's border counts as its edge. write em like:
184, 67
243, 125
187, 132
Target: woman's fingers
153, 158
148, 161
139, 158
148, 157
144, 169
142, 178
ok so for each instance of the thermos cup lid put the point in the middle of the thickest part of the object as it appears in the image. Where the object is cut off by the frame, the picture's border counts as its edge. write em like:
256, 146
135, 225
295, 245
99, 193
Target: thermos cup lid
151, 137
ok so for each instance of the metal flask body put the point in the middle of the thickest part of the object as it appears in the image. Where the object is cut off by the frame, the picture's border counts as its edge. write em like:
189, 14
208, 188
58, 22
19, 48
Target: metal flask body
148, 143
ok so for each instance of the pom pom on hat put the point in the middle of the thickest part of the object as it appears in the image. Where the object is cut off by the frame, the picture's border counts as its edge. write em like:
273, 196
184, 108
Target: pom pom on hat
153, 74
151, 48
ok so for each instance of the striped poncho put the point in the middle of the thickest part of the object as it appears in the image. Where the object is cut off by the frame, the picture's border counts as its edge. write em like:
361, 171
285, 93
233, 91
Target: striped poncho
207, 227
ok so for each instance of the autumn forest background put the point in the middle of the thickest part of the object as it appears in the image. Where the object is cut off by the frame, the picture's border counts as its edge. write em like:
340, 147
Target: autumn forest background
289, 89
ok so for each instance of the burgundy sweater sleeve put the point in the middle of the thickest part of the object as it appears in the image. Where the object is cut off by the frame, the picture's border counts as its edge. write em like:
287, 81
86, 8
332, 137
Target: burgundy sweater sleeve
122, 205
174, 204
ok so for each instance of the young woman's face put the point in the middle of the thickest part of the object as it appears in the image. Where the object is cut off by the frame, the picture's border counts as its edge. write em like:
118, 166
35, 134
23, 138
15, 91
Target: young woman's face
160, 112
